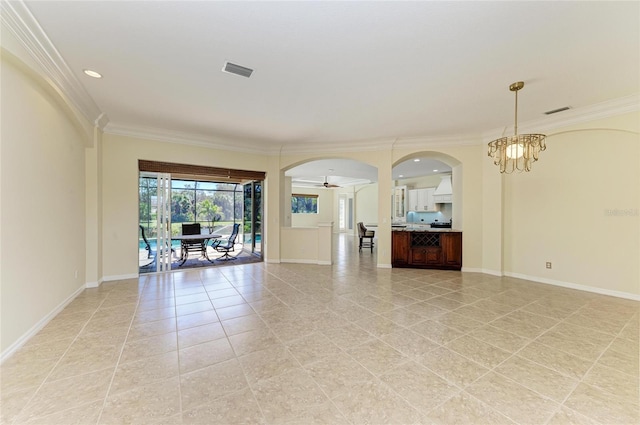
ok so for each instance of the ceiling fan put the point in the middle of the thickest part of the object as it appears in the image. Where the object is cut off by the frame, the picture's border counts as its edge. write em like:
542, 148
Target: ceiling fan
327, 184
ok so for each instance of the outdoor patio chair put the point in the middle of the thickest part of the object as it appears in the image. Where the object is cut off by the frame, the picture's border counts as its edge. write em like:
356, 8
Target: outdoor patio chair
365, 234
151, 255
228, 246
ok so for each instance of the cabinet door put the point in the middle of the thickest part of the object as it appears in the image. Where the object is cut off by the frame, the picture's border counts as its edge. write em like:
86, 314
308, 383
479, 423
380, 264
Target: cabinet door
430, 200
426, 256
399, 248
451, 249
421, 200
399, 203
414, 200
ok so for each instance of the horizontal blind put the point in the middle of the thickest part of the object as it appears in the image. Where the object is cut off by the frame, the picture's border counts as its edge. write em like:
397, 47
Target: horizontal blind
223, 174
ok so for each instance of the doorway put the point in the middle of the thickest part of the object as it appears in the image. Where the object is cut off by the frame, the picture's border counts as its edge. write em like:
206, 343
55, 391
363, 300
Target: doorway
166, 203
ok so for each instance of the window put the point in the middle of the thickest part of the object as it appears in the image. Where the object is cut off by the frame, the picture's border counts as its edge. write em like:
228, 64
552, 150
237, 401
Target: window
304, 204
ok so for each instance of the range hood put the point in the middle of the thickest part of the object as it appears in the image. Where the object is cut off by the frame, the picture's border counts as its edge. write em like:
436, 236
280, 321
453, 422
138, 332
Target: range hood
444, 188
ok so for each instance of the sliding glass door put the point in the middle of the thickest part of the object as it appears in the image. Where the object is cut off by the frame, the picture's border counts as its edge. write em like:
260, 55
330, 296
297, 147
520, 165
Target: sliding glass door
165, 204
154, 219
252, 217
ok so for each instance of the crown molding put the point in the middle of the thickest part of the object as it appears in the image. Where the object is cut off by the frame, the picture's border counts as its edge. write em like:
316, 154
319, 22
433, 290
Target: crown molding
610, 108
437, 141
225, 144
19, 20
336, 147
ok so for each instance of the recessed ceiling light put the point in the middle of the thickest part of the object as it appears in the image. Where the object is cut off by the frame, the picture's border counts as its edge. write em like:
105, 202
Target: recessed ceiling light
416, 160
401, 175
92, 73
435, 171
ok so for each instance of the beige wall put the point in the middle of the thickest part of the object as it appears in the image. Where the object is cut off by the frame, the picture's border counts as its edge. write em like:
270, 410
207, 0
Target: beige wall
366, 204
559, 212
325, 208
43, 204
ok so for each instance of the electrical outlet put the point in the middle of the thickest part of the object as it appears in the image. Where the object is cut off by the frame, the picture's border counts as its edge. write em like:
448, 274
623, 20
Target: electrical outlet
548, 264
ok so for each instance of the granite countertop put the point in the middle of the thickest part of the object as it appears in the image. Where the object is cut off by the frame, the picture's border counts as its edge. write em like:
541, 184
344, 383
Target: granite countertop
425, 229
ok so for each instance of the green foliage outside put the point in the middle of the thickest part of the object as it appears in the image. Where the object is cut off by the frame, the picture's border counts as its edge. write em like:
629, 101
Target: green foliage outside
301, 204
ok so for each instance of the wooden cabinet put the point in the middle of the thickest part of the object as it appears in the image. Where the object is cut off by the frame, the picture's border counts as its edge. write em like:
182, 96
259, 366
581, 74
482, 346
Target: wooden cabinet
433, 250
422, 200
400, 248
451, 249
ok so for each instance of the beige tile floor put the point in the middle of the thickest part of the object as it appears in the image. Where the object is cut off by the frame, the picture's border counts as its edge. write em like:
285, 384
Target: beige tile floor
343, 344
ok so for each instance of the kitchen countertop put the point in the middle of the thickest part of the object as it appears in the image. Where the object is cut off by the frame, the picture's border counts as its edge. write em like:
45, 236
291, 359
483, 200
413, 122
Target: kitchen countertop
410, 228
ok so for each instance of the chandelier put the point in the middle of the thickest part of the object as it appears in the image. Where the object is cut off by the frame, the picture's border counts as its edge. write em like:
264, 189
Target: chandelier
517, 152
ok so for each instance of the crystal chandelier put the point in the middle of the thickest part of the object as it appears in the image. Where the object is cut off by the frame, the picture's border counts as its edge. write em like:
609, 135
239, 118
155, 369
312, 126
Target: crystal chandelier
517, 152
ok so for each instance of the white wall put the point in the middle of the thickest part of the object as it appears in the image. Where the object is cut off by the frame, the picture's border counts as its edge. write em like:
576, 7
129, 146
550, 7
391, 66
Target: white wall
560, 211
43, 204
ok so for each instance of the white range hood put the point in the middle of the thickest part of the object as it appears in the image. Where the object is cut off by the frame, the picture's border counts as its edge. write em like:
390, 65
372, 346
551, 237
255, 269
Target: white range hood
444, 188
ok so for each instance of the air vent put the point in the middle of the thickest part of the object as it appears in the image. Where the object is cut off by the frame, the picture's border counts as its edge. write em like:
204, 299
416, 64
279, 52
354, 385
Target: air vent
555, 111
232, 68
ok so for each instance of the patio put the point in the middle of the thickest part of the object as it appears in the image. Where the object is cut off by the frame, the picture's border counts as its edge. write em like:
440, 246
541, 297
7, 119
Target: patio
241, 254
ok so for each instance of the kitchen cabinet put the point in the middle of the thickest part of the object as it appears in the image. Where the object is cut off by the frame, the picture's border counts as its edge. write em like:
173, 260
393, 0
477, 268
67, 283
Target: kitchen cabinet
452, 249
427, 249
400, 248
422, 200
399, 202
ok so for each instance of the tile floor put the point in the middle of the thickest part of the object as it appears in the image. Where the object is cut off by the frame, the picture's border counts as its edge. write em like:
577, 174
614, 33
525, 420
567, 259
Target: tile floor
343, 344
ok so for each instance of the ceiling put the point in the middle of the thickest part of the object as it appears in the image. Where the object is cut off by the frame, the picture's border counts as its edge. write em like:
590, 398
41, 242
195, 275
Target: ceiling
341, 72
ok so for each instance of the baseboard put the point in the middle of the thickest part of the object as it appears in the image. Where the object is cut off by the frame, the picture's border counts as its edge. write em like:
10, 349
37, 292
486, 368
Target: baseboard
602, 291
298, 261
324, 263
119, 277
38, 326
272, 261
93, 284
384, 266
484, 271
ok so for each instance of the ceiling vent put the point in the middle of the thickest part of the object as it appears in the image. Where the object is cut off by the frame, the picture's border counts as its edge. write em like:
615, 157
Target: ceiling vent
555, 111
232, 68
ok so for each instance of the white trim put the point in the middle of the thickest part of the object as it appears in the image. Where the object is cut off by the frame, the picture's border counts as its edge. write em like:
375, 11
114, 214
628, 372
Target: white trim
38, 326
480, 270
94, 284
120, 277
268, 261
300, 261
324, 263
384, 266
211, 142
17, 17
610, 108
602, 291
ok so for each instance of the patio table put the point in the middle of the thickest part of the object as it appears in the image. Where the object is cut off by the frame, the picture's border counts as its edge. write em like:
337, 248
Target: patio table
195, 238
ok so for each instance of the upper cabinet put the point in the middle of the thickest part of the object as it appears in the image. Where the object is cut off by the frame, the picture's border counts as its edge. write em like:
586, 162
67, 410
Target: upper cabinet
400, 200
422, 200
